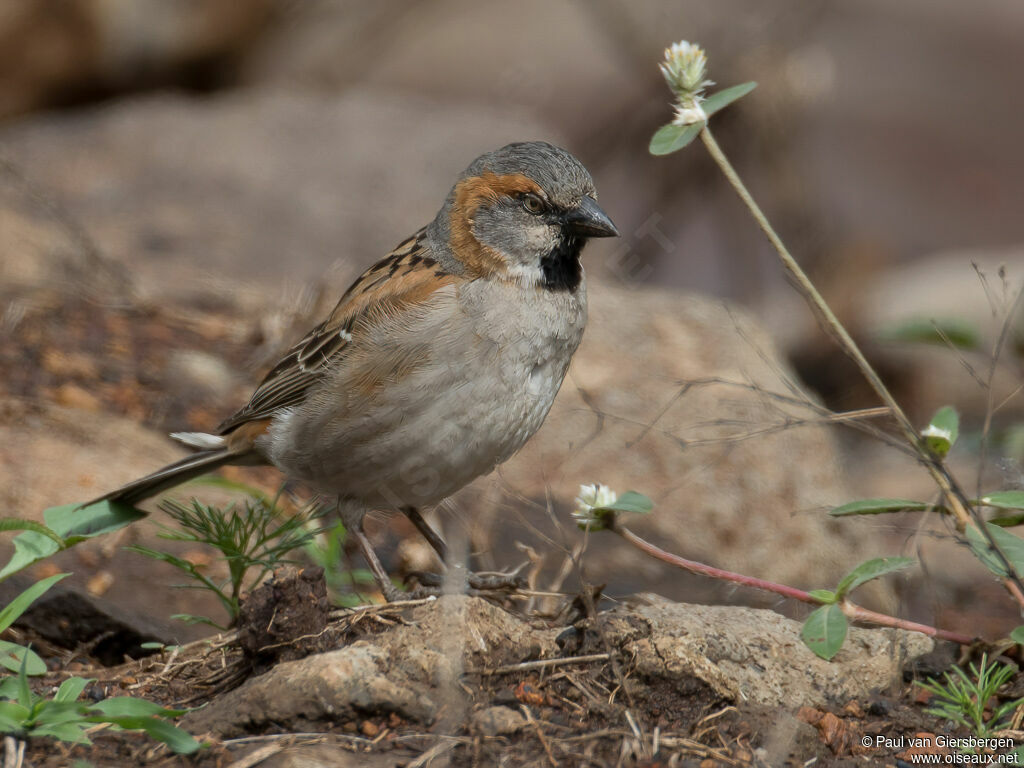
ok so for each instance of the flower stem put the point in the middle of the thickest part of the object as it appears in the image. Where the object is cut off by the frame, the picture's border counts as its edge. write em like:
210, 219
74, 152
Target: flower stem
852, 610
958, 502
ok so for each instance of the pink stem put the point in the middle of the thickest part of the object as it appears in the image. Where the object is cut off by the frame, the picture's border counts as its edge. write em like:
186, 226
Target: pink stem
851, 610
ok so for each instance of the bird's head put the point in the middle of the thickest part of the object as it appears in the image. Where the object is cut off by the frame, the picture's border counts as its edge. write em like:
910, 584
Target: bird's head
523, 212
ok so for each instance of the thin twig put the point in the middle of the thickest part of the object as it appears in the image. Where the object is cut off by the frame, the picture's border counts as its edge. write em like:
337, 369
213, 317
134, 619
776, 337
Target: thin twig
852, 610
958, 502
544, 663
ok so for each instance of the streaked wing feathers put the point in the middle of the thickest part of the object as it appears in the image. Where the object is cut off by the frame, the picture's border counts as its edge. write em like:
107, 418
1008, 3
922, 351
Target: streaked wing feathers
405, 276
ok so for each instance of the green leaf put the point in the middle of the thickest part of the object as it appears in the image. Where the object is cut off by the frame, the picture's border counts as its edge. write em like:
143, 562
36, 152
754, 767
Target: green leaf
1007, 521
12, 710
9, 688
24, 692
9, 724
1004, 499
175, 738
825, 630
630, 501
1012, 547
12, 655
18, 524
78, 522
29, 548
879, 506
723, 98
50, 712
825, 596
71, 689
18, 605
72, 732
1017, 635
671, 138
945, 331
942, 431
128, 706
71, 523
871, 569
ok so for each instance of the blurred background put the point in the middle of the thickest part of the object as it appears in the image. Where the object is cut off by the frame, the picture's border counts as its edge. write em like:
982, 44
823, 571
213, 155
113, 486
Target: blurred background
184, 185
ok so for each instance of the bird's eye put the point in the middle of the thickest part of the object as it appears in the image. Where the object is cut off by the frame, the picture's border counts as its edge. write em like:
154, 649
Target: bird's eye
533, 204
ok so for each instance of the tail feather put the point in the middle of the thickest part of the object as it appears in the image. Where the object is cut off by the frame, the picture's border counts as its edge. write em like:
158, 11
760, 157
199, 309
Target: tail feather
173, 474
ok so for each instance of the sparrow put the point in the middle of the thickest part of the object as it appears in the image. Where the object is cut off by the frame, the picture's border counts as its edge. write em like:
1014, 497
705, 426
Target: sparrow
437, 364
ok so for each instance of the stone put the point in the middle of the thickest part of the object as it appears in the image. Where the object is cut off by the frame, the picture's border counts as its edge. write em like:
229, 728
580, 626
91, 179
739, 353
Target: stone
498, 721
756, 656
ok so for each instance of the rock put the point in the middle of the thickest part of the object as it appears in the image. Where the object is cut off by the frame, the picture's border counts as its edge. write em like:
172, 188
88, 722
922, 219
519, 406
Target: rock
411, 670
337, 685
966, 287
498, 721
262, 189
414, 668
60, 52
73, 618
757, 656
50, 456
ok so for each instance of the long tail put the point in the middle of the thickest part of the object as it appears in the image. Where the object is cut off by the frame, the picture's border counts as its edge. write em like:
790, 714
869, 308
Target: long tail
180, 471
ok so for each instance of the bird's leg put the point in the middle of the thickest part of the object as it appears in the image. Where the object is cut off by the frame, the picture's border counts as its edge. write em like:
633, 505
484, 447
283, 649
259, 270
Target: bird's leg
428, 533
352, 517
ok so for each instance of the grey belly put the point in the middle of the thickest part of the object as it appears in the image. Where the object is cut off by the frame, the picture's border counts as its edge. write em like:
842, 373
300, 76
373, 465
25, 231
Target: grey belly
429, 437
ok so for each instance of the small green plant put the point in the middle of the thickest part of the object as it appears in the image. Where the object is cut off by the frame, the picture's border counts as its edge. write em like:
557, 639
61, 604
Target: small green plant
824, 631
963, 698
17, 657
253, 539
939, 437
24, 714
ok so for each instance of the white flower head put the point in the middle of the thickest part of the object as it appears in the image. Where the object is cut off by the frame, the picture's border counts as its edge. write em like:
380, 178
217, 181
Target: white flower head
685, 69
592, 497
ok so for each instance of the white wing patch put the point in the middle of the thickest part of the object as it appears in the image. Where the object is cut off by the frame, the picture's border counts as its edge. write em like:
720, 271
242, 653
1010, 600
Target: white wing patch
201, 441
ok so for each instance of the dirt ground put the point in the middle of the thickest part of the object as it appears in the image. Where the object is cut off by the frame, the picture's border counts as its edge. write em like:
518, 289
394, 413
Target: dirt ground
585, 708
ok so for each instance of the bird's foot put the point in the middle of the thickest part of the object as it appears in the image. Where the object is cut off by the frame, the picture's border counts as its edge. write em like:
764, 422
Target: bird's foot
428, 583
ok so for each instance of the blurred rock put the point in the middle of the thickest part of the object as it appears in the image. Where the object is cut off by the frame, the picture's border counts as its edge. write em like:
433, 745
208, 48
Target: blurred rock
50, 456
78, 619
975, 288
255, 190
60, 52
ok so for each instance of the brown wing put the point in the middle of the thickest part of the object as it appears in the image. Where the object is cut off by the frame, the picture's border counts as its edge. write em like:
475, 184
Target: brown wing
406, 275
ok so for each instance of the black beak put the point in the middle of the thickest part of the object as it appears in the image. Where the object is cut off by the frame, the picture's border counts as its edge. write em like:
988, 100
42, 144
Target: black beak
588, 220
